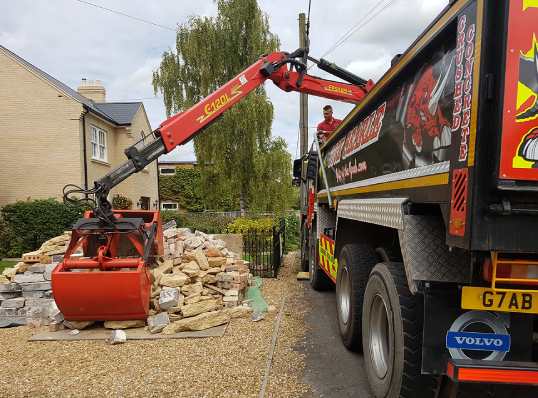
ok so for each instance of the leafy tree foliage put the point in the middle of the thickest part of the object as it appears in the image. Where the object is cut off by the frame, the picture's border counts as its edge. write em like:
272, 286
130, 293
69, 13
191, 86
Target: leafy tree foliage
210, 52
272, 190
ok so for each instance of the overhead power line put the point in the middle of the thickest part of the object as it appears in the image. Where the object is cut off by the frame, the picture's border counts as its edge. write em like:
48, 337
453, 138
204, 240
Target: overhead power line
123, 14
370, 15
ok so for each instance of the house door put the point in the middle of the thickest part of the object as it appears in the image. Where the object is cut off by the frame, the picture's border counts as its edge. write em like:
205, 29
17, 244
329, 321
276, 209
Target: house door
144, 203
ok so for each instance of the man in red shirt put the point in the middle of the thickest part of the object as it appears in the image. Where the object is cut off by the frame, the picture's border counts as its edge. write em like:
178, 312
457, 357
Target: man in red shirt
328, 125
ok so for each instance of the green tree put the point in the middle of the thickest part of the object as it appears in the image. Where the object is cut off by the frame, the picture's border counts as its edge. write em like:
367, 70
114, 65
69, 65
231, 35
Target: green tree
272, 190
210, 52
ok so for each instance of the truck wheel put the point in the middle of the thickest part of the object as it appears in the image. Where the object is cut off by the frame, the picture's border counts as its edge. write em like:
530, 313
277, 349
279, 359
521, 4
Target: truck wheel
318, 279
392, 336
354, 265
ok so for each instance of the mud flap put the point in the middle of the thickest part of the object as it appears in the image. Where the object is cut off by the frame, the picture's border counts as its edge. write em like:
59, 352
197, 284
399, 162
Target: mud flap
446, 324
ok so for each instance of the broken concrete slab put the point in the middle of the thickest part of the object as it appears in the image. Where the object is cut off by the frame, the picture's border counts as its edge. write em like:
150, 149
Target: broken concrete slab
7, 321
156, 323
36, 285
168, 298
13, 303
118, 337
48, 271
7, 296
10, 287
34, 294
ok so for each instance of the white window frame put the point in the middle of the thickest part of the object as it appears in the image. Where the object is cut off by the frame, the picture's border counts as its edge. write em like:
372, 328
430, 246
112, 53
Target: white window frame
169, 203
98, 144
167, 168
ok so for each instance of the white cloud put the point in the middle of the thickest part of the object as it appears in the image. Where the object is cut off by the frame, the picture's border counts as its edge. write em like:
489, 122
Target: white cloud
71, 40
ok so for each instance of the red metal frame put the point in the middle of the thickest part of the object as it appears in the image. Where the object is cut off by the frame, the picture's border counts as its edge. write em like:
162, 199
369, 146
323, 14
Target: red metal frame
106, 286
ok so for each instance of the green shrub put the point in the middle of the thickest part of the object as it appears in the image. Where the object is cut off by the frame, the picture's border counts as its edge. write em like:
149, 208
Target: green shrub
242, 224
121, 202
293, 232
210, 223
27, 224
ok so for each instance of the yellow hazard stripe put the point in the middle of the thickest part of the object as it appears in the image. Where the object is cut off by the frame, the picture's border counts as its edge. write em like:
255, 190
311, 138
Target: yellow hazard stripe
418, 182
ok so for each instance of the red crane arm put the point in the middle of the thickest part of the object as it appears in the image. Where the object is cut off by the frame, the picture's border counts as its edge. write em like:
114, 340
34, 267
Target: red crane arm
287, 71
182, 127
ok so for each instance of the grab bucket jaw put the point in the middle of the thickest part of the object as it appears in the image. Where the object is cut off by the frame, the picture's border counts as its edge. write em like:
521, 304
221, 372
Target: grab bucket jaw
104, 274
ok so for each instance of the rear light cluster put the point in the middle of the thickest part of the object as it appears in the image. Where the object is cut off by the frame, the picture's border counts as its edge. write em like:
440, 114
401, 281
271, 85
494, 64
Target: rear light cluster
497, 372
506, 268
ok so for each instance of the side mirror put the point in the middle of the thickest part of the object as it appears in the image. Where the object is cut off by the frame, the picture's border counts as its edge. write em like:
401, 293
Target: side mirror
312, 166
297, 166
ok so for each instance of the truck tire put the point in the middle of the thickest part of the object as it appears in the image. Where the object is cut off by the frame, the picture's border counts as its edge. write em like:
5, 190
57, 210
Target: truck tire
318, 279
355, 262
392, 336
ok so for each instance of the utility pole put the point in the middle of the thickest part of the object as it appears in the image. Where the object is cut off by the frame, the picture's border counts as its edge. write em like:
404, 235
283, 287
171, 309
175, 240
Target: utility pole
303, 100
303, 116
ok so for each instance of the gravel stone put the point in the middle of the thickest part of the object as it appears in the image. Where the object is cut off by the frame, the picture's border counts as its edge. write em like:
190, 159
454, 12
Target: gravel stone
229, 366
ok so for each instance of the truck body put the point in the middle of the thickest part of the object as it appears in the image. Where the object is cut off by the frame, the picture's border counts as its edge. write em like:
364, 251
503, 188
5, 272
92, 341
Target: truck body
422, 207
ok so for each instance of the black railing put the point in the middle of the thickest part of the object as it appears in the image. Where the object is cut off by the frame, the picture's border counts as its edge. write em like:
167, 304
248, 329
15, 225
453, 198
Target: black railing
264, 250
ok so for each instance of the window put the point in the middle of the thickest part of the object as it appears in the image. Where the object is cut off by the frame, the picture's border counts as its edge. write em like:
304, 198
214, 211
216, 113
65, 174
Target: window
167, 171
169, 206
98, 144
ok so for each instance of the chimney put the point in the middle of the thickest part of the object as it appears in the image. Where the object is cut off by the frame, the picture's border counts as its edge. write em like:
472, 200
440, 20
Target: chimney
92, 89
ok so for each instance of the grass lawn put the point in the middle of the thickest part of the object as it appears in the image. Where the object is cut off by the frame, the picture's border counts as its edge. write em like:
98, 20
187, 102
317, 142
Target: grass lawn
6, 264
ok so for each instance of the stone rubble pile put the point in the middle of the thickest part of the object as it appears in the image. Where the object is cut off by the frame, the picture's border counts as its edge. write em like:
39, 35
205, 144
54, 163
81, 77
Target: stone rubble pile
25, 289
196, 285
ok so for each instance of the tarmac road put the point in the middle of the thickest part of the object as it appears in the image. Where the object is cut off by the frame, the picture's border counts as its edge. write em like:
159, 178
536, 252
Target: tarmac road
333, 371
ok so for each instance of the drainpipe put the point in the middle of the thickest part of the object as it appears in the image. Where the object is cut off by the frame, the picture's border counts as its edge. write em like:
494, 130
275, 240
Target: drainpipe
84, 149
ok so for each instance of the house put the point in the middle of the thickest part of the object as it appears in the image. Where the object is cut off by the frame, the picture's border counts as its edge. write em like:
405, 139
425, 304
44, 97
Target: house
52, 135
168, 168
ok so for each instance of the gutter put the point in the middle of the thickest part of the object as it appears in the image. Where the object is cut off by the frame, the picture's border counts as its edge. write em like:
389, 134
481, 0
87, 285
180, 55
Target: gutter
84, 149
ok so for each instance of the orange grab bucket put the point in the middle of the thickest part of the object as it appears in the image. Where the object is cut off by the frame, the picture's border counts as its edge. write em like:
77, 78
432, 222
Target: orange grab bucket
110, 279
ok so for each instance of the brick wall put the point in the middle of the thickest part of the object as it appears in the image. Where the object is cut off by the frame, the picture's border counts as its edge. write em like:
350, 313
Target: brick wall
40, 136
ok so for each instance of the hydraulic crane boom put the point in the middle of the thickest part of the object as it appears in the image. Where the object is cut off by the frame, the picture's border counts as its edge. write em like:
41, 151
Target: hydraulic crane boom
122, 244
287, 71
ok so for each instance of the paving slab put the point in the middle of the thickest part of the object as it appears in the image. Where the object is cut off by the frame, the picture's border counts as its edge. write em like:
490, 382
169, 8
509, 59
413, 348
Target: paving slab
132, 334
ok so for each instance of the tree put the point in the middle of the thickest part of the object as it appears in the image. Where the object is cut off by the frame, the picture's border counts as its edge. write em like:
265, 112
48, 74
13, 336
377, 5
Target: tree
210, 52
272, 190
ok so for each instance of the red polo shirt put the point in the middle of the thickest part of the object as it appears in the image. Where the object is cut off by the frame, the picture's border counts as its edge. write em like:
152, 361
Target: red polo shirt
325, 129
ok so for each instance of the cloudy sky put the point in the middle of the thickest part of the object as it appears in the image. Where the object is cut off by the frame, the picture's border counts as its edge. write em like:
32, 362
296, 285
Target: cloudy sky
70, 40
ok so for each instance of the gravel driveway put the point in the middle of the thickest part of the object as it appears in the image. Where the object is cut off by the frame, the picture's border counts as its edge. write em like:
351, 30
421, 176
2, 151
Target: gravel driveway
231, 366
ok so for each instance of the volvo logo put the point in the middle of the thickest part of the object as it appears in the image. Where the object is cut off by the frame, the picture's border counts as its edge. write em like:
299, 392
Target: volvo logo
458, 339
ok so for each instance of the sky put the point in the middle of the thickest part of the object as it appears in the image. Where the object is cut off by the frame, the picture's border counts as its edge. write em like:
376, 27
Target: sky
71, 40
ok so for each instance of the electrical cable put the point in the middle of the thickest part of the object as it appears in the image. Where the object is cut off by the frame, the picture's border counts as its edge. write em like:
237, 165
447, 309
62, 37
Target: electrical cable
371, 14
127, 15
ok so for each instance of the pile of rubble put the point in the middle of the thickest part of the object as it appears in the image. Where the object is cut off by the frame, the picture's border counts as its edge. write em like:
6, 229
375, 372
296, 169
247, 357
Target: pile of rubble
197, 284
25, 289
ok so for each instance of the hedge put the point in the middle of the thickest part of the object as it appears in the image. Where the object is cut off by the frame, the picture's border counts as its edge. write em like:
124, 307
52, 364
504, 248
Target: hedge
210, 223
25, 225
